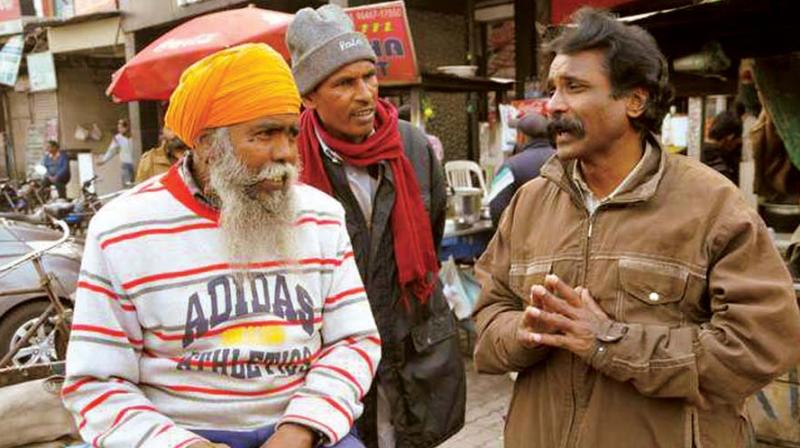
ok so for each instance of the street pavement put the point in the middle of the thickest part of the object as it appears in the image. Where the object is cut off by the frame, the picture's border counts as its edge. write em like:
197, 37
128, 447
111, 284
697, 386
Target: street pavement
487, 401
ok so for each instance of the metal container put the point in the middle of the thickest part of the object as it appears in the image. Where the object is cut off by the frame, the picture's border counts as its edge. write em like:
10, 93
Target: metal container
466, 206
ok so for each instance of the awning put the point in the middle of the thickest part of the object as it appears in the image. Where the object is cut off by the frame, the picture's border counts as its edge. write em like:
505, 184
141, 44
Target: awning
744, 28
560, 10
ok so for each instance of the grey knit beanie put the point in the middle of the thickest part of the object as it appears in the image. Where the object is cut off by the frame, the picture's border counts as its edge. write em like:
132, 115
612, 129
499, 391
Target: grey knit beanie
322, 41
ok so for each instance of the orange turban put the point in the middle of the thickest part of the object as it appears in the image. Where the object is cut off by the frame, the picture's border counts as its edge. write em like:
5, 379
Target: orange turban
231, 86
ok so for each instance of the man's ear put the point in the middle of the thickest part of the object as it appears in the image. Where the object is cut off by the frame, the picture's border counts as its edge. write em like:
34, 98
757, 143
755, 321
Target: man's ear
202, 147
636, 102
204, 139
310, 100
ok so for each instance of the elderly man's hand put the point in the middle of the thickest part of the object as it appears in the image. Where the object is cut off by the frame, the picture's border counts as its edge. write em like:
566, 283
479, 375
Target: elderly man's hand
290, 435
571, 318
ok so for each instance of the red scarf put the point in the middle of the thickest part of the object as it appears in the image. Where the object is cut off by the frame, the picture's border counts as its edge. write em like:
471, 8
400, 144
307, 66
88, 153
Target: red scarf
417, 265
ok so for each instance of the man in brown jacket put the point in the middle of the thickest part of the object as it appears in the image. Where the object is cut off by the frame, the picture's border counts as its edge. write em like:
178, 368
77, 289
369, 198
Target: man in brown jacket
637, 295
159, 159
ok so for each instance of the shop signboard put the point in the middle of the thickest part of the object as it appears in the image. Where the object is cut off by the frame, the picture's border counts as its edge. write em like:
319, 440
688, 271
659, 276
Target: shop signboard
42, 71
10, 57
83, 7
10, 17
560, 10
9, 10
386, 28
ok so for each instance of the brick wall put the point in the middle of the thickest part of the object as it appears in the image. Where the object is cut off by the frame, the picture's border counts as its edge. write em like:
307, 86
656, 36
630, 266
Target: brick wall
440, 39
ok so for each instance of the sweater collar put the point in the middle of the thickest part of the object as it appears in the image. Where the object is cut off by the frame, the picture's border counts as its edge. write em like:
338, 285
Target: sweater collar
180, 182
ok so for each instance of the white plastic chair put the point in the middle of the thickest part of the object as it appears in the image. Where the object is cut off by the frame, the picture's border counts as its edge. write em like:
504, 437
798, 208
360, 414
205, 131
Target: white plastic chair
460, 175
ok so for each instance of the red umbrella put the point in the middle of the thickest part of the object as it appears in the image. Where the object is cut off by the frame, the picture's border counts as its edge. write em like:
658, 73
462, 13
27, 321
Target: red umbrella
154, 73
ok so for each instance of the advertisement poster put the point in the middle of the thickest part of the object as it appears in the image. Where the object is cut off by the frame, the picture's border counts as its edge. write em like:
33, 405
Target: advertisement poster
65, 9
10, 57
501, 46
695, 127
83, 7
34, 147
386, 27
51, 129
42, 71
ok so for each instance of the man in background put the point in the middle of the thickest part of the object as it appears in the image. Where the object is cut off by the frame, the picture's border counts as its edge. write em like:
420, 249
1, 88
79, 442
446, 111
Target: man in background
722, 150
57, 164
159, 159
121, 144
523, 166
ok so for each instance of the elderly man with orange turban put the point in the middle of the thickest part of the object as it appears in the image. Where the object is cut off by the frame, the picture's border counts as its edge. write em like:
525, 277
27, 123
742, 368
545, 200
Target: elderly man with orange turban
219, 304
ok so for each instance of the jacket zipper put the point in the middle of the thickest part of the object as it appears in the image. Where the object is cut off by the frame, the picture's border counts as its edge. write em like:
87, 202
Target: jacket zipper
586, 249
580, 203
572, 436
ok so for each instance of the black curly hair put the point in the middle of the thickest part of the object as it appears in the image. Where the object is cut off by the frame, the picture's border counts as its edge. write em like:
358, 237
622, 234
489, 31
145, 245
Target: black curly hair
632, 58
725, 123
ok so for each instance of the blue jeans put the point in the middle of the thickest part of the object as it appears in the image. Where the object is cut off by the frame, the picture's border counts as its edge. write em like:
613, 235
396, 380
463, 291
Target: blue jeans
127, 175
254, 439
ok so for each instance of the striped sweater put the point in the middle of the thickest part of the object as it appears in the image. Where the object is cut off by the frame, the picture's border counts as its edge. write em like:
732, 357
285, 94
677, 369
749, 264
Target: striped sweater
165, 339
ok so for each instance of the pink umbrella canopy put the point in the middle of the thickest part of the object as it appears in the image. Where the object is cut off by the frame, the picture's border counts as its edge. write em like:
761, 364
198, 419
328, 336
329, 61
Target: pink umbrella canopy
154, 73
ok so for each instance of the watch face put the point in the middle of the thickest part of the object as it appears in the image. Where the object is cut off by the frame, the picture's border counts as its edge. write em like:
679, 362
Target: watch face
613, 332
319, 438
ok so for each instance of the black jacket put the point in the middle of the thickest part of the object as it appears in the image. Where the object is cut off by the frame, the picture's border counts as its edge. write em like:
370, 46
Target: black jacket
421, 367
524, 166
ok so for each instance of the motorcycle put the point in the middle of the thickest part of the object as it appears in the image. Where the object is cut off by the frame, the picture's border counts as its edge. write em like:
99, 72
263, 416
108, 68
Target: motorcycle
36, 291
78, 212
27, 196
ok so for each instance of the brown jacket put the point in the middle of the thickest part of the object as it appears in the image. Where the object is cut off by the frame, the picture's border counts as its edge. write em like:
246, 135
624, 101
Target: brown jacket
691, 272
155, 162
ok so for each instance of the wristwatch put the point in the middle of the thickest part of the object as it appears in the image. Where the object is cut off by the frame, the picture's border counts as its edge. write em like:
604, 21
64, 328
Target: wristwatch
319, 438
612, 331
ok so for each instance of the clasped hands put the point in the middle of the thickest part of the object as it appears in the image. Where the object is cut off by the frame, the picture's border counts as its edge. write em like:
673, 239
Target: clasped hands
563, 317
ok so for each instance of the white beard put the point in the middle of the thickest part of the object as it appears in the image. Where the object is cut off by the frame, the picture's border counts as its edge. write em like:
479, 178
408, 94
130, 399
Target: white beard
255, 225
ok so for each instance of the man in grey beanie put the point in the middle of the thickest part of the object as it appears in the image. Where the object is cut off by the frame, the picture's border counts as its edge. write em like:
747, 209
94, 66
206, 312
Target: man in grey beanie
390, 184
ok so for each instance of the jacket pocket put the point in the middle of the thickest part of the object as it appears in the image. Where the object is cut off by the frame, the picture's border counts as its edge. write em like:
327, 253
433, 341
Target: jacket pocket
523, 276
651, 292
437, 325
433, 331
